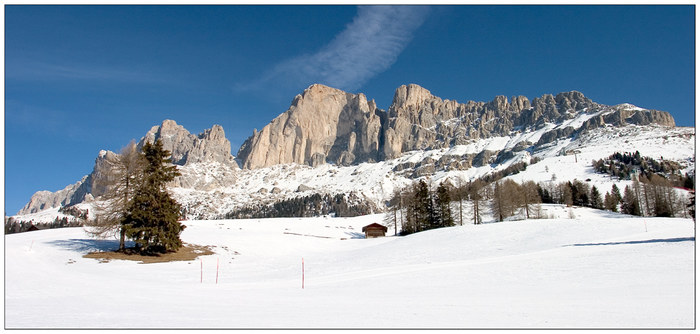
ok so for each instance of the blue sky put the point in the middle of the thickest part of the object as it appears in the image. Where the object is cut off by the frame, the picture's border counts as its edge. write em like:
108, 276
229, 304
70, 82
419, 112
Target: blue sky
79, 79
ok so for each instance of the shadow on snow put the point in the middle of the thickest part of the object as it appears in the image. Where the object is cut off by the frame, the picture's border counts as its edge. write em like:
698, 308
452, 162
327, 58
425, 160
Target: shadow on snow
637, 242
89, 245
355, 235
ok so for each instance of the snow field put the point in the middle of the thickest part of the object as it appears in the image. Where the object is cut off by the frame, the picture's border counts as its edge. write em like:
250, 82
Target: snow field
600, 270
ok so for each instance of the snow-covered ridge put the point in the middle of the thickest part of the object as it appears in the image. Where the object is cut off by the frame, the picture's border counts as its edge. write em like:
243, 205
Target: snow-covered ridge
376, 182
212, 184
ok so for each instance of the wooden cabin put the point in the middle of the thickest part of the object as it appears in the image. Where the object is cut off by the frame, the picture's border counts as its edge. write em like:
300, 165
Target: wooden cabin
374, 230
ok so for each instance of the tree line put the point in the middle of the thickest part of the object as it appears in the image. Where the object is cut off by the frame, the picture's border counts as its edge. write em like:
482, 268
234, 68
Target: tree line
418, 208
136, 204
626, 166
13, 225
79, 217
314, 205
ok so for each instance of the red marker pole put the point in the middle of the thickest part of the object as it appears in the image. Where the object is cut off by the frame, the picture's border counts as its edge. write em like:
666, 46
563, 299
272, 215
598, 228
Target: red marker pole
302, 272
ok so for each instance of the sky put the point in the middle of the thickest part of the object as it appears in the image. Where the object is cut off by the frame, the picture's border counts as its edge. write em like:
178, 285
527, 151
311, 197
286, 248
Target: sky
82, 78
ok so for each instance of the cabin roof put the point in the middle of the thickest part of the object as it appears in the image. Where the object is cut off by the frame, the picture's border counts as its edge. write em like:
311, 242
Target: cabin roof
374, 226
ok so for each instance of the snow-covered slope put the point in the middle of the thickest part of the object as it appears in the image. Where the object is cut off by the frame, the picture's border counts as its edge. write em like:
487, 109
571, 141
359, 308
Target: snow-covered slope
211, 188
564, 159
600, 270
568, 159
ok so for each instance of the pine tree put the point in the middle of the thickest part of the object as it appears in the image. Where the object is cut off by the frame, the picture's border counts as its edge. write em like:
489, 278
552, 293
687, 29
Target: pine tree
688, 182
544, 194
444, 214
630, 205
638, 193
595, 199
153, 216
565, 196
691, 205
615, 191
579, 193
610, 202
425, 212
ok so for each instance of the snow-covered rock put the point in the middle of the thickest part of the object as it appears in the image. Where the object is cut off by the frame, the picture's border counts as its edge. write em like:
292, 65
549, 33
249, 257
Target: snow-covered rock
331, 141
187, 150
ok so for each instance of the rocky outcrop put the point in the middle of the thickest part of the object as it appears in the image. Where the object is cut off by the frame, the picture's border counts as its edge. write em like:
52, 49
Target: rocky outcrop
322, 125
628, 114
210, 151
81, 191
210, 145
418, 120
72, 194
326, 125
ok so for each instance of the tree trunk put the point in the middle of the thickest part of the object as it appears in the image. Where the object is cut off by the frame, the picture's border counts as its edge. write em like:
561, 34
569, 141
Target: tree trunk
122, 237
527, 211
396, 223
460, 211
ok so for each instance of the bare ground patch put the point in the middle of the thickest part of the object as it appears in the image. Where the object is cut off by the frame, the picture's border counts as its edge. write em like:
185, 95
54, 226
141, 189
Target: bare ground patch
187, 252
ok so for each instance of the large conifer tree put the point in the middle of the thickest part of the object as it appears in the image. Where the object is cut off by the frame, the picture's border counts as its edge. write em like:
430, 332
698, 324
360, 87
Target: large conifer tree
596, 200
424, 207
442, 201
153, 216
630, 205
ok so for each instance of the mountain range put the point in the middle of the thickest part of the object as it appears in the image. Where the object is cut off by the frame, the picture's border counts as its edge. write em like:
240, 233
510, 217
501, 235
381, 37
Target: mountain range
334, 142
327, 125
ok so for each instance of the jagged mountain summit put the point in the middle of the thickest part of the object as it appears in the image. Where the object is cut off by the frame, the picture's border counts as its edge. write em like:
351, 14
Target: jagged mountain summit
186, 148
333, 142
323, 124
327, 125
210, 145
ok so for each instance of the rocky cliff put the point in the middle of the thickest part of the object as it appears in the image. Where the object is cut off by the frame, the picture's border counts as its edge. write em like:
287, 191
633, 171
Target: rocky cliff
187, 150
323, 124
42, 200
210, 145
327, 125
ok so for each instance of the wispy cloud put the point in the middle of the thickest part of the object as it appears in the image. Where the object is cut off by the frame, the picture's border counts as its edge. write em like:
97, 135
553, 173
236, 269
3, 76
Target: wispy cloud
369, 45
54, 71
31, 118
